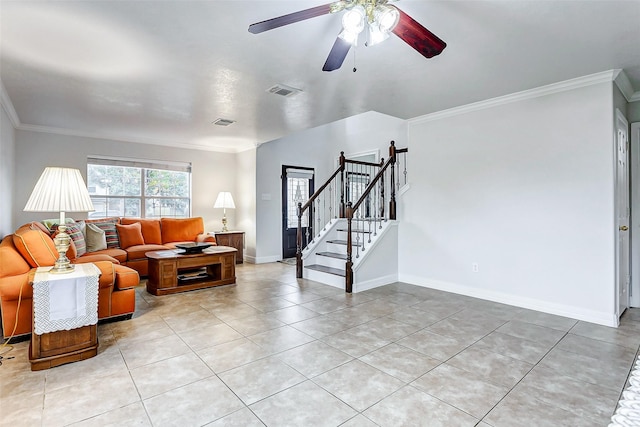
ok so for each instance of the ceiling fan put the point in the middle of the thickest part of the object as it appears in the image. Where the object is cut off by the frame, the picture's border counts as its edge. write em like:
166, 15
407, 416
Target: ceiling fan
379, 17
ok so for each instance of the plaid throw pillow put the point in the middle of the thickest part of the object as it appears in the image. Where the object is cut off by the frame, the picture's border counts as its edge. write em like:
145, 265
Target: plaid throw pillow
110, 232
74, 230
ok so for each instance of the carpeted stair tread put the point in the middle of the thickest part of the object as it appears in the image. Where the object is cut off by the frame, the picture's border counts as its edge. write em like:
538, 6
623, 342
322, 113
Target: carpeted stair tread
355, 231
325, 269
333, 255
341, 242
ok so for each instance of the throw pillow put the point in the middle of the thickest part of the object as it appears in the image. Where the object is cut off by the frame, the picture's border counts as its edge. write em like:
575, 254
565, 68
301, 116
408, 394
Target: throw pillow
75, 232
130, 235
35, 247
95, 238
109, 227
150, 229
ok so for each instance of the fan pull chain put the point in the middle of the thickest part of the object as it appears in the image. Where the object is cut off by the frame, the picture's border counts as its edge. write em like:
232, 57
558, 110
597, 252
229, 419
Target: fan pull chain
354, 60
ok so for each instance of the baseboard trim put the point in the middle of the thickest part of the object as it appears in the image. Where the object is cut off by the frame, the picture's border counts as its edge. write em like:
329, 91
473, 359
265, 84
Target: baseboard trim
262, 260
374, 283
600, 318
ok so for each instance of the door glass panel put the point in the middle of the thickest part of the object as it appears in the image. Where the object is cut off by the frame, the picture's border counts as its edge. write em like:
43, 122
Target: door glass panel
297, 192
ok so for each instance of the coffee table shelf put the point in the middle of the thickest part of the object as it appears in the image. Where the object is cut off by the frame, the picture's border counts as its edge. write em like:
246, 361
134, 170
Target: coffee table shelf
166, 266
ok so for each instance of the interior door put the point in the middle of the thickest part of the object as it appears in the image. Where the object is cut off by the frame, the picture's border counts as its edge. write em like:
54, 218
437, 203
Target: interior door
634, 291
623, 213
297, 187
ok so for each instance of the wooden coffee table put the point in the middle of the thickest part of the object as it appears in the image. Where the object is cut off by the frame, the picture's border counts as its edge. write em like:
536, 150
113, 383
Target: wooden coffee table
171, 271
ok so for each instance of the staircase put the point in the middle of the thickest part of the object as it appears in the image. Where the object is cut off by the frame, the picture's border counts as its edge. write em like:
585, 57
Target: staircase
355, 242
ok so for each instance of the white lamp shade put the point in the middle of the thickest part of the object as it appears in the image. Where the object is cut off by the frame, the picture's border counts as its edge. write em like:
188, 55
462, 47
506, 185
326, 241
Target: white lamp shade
224, 200
60, 190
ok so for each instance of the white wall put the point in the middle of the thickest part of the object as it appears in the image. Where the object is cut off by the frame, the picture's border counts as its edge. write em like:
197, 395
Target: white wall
245, 198
211, 172
7, 160
317, 148
526, 191
633, 112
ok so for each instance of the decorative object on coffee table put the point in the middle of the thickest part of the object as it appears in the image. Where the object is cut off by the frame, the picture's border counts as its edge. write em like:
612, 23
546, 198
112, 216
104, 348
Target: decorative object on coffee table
60, 190
224, 201
194, 247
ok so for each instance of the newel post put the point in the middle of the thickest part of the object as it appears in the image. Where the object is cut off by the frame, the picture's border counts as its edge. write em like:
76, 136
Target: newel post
299, 243
392, 199
342, 205
349, 264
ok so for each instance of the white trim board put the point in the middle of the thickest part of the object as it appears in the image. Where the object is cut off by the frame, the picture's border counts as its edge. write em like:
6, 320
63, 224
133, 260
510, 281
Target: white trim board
7, 105
616, 76
601, 318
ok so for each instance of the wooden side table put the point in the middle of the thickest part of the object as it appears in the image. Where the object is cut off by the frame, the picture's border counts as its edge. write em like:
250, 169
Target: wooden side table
235, 239
67, 339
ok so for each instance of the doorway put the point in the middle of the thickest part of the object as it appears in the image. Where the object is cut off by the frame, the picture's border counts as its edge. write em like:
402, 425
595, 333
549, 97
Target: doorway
297, 187
623, 214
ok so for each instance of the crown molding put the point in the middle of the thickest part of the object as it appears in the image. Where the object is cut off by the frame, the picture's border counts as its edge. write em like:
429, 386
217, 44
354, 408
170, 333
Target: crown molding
592, 79
7, 105
624, 84
95, 135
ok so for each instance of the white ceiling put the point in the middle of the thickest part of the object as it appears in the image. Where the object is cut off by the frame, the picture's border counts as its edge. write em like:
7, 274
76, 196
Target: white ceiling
162, 71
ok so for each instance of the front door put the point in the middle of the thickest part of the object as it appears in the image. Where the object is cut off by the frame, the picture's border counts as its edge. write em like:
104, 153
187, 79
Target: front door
297, 187
623, 212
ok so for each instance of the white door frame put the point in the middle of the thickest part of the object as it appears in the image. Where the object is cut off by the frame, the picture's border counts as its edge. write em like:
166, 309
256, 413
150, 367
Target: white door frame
623, 219
635, 215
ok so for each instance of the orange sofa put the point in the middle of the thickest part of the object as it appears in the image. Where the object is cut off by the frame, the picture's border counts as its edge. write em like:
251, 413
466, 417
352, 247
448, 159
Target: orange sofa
136, 236
30, 247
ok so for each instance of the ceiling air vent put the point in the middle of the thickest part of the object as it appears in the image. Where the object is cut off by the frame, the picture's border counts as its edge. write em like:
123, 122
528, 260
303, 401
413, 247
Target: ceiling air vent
223, 122
283, 90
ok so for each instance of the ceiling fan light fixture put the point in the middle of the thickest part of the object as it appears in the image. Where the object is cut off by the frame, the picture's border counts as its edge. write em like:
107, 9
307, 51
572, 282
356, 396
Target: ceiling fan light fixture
349, 37
353, 19
376, 35
387, 17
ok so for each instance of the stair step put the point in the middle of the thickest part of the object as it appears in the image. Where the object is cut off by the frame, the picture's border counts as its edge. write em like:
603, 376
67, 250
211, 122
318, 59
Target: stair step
333, 255
341, 242
354, 230
337, 242
325, 269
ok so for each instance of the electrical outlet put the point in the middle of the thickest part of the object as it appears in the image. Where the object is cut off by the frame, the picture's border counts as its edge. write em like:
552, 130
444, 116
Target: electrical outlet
475, 267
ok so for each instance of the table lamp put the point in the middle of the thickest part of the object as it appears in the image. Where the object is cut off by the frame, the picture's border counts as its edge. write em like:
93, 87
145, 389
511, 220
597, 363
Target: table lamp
224, 201
60, 190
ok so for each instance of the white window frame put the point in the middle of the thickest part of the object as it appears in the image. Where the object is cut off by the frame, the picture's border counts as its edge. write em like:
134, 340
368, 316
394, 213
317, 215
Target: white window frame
143, 164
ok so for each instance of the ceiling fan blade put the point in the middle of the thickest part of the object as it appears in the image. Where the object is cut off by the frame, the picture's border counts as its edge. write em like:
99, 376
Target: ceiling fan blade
336, 56
291, 18
418, 37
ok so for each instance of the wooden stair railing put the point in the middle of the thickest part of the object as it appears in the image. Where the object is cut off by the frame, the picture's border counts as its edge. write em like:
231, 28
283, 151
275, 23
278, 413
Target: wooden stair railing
368, 208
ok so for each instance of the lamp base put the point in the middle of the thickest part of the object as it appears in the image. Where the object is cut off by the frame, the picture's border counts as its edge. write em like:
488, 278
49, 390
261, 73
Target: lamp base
224, 224
62, 242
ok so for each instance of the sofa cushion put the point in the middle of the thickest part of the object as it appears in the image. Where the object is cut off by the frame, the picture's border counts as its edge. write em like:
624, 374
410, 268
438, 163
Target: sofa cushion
109, 227
95, 238
181, 229
130, 235
139, 251
95, 256
117, 253
150, 229
12, 262
35, 247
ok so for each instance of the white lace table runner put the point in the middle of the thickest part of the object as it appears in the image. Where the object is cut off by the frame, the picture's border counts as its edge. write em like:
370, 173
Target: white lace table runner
65, 301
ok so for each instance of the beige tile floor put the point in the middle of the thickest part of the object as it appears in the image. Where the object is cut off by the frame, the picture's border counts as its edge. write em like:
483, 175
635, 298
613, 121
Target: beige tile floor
277, 351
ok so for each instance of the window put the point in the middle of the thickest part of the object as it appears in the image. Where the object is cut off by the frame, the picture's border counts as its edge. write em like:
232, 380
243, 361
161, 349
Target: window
145, 189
